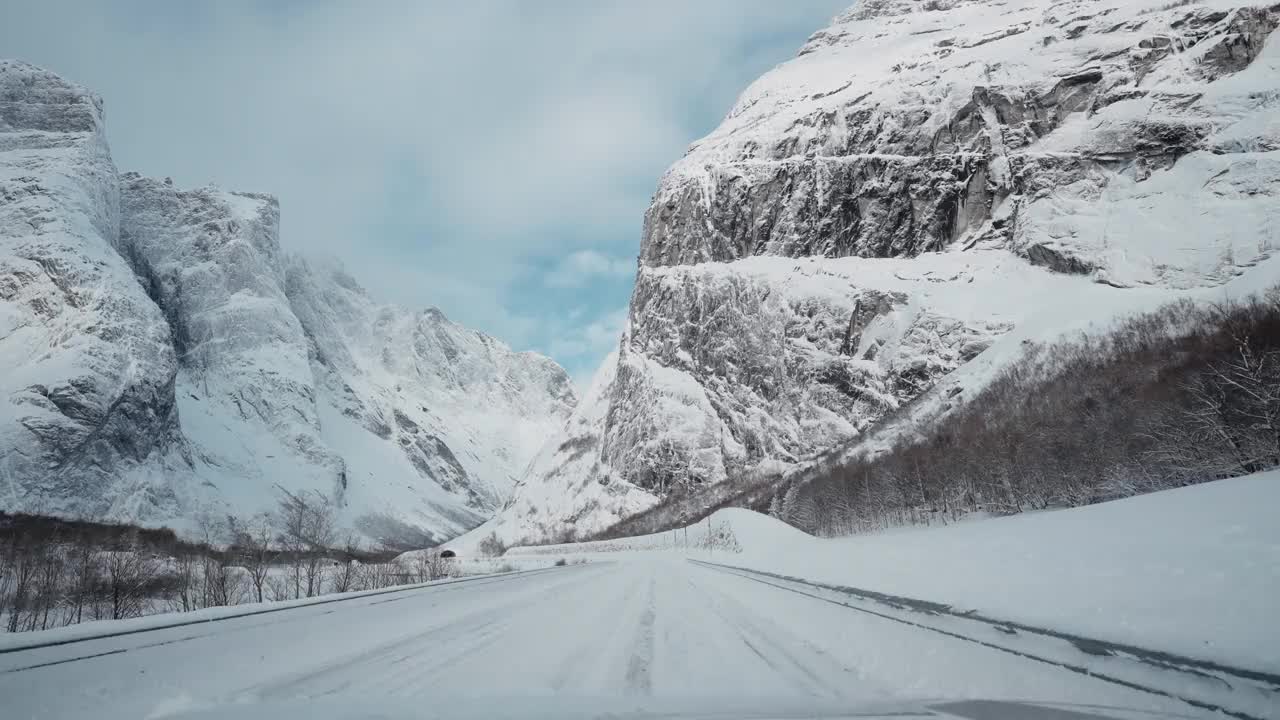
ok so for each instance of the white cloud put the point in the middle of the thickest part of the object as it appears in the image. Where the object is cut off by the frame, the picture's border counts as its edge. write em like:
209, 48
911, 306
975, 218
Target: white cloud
577, 268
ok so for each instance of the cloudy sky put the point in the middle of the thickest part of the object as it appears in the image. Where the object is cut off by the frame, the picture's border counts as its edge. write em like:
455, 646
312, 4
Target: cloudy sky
493, 159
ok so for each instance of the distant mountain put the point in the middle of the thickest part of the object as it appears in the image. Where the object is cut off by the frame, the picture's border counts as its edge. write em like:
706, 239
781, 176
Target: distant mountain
923, 178
163, 356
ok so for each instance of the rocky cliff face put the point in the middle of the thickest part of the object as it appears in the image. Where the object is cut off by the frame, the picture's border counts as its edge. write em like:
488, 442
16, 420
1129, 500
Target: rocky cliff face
922, 178
164, 356
88, 369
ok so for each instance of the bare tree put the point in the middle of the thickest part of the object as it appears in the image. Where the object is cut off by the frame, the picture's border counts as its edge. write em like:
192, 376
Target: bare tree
373, 576
49, 584
225, 583
308, 527
184, 580
26, 558
7, 563
344, 575
85, 576
252, 544
278, 587
130, 572
428, 565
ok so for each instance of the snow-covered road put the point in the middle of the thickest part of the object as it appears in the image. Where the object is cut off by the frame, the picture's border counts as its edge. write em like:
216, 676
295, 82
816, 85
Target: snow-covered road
646, 626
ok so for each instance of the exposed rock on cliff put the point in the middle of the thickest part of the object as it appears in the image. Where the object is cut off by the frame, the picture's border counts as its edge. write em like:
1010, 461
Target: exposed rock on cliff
88, 369
923, 177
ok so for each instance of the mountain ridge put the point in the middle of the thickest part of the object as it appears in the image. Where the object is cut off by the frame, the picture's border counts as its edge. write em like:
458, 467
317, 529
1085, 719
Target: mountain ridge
921, 180
171, 359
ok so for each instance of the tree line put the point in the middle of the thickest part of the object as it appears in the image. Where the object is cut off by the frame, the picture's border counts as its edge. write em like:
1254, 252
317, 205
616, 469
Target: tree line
1185, 394
60, 572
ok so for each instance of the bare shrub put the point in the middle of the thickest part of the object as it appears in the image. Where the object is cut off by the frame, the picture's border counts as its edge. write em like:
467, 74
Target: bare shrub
308, 528
251, 545
375, 576
278, 587
491, 546
343, 578
428, 565
26, 567
7, 562
185, 593
132, 576
1180, 395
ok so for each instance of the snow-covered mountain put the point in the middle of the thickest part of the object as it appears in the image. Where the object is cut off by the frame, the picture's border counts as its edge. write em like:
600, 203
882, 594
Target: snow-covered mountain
924, 177
163, 356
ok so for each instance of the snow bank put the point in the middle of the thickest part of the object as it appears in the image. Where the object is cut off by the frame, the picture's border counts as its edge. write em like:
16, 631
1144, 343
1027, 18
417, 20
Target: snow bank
11, 642
1194, 571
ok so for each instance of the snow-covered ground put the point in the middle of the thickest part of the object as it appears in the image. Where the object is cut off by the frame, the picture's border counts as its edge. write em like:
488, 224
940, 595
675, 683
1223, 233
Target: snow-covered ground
645, 629
1194, 571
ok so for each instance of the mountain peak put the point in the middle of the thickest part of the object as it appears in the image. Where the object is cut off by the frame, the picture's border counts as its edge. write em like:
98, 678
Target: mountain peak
33, 98
186, 362
871, 9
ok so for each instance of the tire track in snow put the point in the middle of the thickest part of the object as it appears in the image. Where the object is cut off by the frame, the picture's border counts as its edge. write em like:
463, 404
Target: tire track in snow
766, 646
384, 666
586, 654
639, 679
416, 678
812, 589
371, 668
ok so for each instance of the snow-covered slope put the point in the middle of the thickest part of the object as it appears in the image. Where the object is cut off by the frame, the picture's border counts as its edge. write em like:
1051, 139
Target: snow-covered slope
922, 178
459, 409
168, 357
567, 485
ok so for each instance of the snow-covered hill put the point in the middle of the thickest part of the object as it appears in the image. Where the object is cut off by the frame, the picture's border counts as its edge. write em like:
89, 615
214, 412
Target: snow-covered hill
922, 178
164, 356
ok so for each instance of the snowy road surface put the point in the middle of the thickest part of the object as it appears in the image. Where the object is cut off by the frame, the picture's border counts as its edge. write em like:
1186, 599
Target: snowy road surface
645, 627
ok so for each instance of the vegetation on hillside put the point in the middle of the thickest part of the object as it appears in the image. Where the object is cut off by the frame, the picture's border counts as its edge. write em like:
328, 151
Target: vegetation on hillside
1181, 395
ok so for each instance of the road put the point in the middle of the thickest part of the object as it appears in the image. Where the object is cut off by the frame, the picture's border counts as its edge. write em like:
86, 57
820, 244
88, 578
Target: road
644, 627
